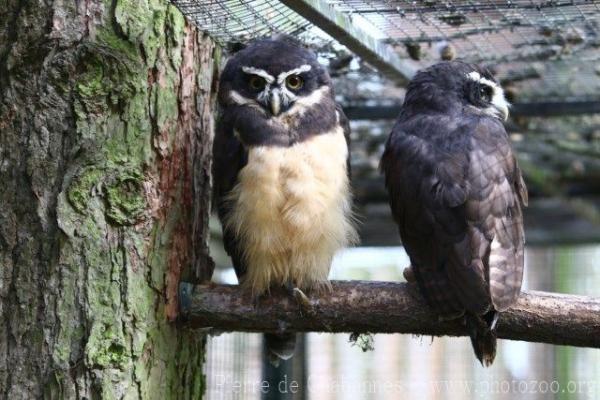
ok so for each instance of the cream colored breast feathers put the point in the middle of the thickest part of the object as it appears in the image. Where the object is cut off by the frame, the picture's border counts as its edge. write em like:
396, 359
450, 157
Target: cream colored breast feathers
292, 212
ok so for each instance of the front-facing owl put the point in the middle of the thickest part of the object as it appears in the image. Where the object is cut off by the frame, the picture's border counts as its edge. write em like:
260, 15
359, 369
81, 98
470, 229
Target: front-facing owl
456, 193
280, 170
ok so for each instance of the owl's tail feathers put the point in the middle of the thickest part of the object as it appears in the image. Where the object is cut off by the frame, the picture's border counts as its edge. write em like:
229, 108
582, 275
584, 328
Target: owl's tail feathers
280, 347
482, 329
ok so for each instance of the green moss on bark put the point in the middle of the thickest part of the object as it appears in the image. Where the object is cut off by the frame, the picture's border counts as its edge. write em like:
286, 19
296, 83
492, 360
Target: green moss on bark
117, 243
99, 137
82, 188
126, 203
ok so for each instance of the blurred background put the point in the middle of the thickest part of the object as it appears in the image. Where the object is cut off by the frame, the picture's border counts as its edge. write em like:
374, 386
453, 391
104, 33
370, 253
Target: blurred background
546, 55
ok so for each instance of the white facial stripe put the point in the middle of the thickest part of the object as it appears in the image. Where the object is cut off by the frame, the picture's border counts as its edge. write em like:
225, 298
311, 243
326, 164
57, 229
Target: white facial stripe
302, 103
313, 98
499, 104
259, 72
243, 101
263, 96
287, 96
239, 99
295, 71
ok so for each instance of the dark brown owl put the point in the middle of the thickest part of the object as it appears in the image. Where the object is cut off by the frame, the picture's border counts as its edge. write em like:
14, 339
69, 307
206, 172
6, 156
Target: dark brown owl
456, 193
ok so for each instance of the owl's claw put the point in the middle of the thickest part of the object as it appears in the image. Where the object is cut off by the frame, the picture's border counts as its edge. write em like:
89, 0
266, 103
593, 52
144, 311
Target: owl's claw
303, 302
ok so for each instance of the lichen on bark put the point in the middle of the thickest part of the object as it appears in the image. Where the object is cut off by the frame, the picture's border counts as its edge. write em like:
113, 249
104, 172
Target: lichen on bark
106, 125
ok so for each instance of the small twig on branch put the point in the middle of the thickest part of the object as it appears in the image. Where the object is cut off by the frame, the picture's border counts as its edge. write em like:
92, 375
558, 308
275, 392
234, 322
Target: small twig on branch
386, 307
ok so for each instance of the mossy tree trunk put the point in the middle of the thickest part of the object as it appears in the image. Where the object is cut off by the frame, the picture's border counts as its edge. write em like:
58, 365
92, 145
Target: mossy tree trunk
105, 133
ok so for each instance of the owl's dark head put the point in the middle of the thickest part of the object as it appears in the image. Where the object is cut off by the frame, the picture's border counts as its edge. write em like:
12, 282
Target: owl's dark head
455, 84
274, 74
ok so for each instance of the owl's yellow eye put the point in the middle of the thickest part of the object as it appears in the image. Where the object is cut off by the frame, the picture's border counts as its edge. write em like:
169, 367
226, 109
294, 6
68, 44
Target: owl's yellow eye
294, 82
256, 82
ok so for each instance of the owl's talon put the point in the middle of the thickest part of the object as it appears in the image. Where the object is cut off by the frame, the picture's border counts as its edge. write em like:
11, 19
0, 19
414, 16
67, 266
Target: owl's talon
303, 302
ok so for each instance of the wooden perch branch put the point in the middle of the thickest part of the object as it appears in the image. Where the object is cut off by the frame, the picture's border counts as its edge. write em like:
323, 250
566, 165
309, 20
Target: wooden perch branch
385, 307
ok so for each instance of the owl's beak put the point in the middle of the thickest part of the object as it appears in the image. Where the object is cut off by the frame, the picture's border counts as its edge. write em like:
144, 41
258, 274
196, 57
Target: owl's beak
275, 102
503, 109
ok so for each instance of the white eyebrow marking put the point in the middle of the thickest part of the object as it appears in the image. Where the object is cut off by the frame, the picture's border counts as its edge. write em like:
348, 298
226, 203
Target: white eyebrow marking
295, 71
260, 72
475, 76
499, 104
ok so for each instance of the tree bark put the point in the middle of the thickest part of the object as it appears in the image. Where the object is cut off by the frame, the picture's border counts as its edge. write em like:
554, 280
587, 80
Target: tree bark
105, 135
386, 307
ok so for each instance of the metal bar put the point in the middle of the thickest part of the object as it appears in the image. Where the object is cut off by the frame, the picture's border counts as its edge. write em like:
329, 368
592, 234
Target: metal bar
542, 109
386, 307
479, 7
340, 26
549, 221
547, 109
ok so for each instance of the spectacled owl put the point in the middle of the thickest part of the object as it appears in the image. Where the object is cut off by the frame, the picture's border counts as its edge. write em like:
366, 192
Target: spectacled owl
281, 171
456, 193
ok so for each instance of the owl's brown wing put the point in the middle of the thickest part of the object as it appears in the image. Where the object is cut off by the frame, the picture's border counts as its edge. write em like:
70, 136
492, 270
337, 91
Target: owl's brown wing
495, 238
427, 192
229, 157
455, 193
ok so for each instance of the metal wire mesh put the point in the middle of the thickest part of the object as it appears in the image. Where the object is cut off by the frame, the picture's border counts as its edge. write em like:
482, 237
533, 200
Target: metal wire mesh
562, 36
233, 366
241, 20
